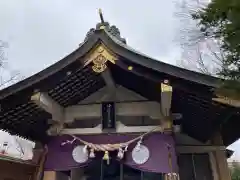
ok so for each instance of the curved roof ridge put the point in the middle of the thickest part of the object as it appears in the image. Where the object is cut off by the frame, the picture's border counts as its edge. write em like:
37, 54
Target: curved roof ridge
125, 45
181, 70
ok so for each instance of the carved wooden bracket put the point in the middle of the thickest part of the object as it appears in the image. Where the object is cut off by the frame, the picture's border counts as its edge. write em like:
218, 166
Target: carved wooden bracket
49, 105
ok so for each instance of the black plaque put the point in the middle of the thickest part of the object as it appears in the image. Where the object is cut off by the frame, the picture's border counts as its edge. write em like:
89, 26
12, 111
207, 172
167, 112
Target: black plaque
108, 115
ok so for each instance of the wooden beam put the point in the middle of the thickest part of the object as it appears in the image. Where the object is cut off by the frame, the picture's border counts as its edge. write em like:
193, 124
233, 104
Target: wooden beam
146, 108
122, 95
198, 149
106, 75
121, 128
227, 101
111, 86
49, 105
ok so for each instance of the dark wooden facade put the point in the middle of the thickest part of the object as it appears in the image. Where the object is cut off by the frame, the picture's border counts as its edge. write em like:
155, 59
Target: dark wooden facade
15, 169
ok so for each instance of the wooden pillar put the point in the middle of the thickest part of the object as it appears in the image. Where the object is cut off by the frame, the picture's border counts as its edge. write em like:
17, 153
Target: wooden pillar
214, 166
221, 159
49, 175
77, 174
39, 156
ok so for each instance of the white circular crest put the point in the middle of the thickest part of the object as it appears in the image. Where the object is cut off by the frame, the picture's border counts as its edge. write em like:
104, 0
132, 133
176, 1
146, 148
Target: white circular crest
78, 154
140, 154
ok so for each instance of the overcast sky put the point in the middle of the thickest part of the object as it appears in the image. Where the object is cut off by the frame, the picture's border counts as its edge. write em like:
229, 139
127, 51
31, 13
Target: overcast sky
41, 32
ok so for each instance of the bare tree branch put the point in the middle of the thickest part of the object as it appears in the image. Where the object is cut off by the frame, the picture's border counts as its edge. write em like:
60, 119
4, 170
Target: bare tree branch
199, 52
7, 76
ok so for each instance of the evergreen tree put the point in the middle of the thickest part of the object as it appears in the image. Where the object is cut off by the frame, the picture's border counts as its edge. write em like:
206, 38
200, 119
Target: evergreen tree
220, 20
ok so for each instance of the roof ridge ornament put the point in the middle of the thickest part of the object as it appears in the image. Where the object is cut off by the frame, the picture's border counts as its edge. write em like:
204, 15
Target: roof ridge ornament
102, 24
101, 15
111, 29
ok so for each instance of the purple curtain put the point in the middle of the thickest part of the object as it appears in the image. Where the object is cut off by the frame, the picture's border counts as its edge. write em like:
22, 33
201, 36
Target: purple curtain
59, 158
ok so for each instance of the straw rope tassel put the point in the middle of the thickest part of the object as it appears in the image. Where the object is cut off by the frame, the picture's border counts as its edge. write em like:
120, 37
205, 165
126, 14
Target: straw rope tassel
109, 147
106, 157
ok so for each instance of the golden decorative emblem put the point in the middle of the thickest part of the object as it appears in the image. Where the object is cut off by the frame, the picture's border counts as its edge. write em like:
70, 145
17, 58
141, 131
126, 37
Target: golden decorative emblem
99, 56
99, 64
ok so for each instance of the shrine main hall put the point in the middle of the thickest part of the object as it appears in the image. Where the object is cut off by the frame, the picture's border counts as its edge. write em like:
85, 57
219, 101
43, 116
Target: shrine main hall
109, 112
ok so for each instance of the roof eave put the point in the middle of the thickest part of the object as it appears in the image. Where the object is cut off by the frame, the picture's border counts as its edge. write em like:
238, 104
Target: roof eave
130, 54
120, 48
78, 53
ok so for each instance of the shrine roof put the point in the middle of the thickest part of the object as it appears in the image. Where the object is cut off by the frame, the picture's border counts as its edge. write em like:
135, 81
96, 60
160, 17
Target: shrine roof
121, 48
69, 81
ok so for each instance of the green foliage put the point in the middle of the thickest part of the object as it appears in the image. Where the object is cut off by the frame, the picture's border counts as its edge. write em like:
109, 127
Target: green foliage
221, 20
235, 171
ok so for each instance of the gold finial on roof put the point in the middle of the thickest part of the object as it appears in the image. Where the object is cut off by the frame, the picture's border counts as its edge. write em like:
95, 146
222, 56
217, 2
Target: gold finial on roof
101, 15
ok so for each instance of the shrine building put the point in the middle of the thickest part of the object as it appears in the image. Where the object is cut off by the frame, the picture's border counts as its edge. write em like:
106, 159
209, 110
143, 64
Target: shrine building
109, 112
